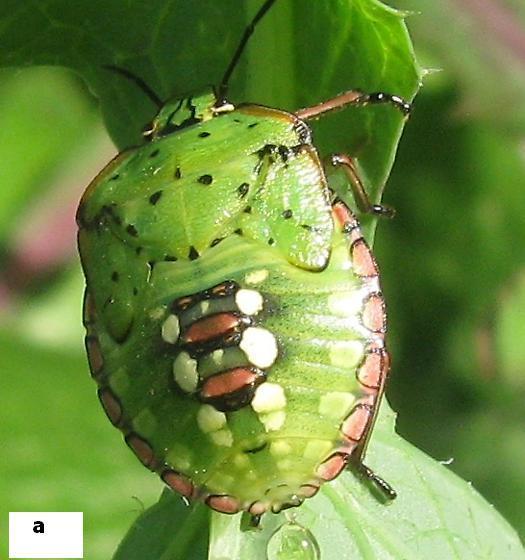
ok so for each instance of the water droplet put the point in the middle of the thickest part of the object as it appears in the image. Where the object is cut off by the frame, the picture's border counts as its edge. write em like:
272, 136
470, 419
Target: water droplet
293, 542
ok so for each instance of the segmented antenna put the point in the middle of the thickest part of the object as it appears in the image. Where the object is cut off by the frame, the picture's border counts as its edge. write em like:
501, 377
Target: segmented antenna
223, 86
137, 81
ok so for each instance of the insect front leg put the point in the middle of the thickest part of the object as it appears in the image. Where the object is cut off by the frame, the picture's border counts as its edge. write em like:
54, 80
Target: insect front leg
355, 98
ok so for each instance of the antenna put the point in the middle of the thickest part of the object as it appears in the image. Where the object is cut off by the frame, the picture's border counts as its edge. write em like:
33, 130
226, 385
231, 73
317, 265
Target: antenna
137, 81
248, 32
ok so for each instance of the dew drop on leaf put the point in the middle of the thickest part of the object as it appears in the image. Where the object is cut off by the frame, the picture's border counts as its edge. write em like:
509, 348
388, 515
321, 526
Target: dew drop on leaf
293, 542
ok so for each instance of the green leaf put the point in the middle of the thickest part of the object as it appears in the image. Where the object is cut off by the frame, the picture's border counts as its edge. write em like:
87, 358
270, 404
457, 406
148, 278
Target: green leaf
169, 530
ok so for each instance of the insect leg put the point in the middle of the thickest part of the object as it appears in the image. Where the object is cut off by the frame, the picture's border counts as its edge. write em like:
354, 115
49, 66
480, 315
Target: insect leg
362, 470
380, 97
354, 98
346, 163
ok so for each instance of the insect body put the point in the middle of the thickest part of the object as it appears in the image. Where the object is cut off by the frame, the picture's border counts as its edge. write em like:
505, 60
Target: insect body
235, 322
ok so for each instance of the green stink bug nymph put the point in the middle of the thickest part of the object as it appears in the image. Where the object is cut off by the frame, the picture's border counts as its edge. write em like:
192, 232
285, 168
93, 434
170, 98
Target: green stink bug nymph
235, 321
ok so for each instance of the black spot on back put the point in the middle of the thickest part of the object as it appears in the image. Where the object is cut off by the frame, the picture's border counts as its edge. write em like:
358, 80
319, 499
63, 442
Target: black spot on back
256, 449
204, 134
154, 153
193, 253
115, 276
271, 241
110, 211
216, 241
253, 125
132, 230
115, 177
287, 214
155, 197
205, 179
243, 189
284, 152
178, 173
170, 258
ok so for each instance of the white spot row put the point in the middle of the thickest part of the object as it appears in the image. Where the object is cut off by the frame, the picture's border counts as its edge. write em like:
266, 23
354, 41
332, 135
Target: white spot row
269, 402
185, 372
214, 423
249, 302
260, 346
171, 329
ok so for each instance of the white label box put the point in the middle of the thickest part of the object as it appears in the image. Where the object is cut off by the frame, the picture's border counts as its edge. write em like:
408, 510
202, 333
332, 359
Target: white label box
46, 534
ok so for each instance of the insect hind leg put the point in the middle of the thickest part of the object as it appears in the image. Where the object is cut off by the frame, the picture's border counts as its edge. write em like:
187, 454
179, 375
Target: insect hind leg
356, 465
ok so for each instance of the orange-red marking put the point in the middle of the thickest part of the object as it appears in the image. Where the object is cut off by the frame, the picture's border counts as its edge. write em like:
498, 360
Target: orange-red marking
331, 468
94, 353
374, 314
374, 368
355, 425
142, 450
211, 327
224, 504
111, 406
178, 482
228, 382
363, 260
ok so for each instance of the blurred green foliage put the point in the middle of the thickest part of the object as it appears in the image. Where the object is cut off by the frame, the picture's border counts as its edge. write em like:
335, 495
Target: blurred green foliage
453, 260
452, 263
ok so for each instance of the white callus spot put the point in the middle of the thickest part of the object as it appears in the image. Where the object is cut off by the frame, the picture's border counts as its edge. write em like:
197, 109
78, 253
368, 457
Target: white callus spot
256, 276
217, 356
260, 346
222, 437
210, 419
336, 404
145, 423
185, 372
273, 421
280, 448
346, 354
179, 456
345, 304
171, 329
249, 302
269, 397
